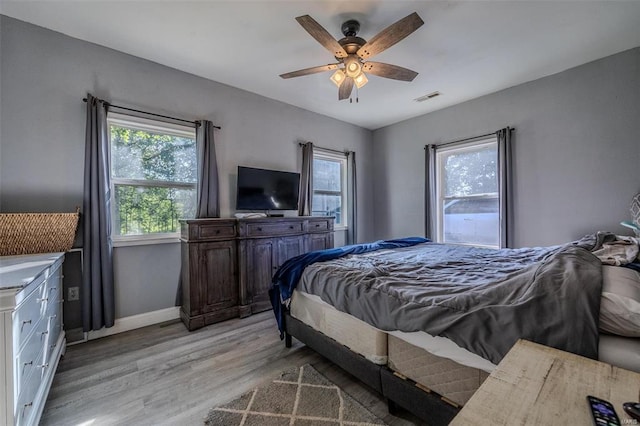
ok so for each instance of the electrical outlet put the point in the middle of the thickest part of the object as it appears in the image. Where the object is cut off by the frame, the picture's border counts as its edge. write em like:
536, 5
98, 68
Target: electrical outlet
73, 294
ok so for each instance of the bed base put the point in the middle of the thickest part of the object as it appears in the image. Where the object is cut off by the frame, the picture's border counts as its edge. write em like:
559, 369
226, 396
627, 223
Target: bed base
399, 391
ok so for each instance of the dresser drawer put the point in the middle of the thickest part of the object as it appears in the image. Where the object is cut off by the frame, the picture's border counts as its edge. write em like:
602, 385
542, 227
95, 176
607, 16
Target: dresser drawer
53, 285
208, 229
54, 328
262, 229
208, 232
320, 225
26, 404
52, 300
27, 315
30, 358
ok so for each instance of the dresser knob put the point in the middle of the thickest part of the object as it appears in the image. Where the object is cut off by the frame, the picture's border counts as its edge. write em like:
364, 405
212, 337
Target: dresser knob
217, 231
44, 299
45, 365
27, 363
317, 225
53, 317
259, 229
44, 332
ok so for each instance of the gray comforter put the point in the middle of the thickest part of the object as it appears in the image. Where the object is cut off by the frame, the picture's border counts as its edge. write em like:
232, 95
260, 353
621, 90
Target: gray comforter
482, 299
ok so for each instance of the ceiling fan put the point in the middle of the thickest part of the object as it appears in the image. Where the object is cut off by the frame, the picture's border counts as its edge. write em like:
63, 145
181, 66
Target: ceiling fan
352, 53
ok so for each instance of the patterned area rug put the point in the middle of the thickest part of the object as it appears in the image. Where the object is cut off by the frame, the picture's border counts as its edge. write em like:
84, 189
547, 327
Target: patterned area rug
301, 397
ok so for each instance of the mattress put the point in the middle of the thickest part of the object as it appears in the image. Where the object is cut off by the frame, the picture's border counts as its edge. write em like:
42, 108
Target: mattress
454, 381
620, 351
349, 331
623, 352
445, 348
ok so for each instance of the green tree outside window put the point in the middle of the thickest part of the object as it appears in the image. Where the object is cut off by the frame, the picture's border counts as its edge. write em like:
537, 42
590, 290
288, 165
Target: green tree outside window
154, 176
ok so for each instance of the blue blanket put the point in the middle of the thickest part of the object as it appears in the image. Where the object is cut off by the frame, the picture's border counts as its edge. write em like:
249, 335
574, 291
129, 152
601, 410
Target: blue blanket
287, 277
634, 265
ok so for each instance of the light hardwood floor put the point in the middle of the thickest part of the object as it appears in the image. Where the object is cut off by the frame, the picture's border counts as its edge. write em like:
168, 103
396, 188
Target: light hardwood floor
166, 375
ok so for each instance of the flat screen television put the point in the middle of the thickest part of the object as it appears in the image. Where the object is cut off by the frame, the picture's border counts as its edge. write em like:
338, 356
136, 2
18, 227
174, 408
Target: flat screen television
262, 189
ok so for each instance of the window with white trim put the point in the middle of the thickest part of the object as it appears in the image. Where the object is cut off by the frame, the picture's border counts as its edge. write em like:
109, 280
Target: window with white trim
467, 193
153, 177
330, 186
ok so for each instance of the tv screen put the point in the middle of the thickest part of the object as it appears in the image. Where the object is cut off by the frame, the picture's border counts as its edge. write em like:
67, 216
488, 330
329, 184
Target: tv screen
261, 189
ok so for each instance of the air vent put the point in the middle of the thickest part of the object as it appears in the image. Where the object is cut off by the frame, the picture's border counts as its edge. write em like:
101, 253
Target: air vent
427, 97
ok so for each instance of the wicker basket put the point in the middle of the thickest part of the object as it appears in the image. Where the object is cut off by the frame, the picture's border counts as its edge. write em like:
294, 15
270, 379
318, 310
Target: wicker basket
28, 233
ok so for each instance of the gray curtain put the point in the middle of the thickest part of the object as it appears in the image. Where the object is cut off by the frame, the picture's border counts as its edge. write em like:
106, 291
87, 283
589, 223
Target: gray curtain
430, 201
98, 305
208, 196
306, 181
505, 186
352, 190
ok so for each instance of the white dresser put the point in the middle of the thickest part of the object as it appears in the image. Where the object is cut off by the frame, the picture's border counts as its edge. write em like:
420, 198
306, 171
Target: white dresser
31, 336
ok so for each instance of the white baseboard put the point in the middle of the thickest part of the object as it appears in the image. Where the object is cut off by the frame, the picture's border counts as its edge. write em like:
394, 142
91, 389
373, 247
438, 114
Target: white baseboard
137, 321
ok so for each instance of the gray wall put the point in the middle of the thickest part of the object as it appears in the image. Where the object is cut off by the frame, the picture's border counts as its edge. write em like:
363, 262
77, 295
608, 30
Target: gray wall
45, 75
576, 152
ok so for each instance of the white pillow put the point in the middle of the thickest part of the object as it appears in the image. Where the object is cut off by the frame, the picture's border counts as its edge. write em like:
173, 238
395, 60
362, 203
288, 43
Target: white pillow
620, 302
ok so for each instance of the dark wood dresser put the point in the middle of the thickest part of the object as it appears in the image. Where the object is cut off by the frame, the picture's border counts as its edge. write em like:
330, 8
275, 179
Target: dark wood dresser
227, 264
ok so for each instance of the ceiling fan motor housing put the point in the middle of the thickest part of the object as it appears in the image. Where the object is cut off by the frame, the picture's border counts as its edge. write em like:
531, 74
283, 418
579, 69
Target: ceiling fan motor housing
350, 43
350, 28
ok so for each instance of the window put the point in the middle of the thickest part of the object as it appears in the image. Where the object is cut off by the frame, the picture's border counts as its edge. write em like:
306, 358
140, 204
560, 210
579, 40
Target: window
329, 186
153, 177
467, 194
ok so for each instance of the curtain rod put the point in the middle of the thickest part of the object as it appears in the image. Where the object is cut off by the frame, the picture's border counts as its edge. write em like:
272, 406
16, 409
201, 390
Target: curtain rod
328, 149
195, 123
511, 129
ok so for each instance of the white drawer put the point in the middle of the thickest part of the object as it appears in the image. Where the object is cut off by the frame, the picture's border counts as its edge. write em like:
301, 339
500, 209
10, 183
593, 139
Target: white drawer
30, 357
27, 315
54, 283
54, 322
53, 301
25, 404
51, 291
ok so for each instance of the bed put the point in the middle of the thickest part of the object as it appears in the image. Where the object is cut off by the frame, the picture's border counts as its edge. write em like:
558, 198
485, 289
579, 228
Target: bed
365, 310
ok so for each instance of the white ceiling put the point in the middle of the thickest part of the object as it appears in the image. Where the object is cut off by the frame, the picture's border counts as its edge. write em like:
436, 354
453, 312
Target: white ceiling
464, 50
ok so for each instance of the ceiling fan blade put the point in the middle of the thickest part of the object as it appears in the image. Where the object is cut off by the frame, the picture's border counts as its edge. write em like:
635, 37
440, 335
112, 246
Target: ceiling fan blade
391, 35
318, 32
389, 71
345, 88
312, 70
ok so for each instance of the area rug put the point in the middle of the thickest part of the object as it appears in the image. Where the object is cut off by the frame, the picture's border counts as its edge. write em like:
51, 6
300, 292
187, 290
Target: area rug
300, 396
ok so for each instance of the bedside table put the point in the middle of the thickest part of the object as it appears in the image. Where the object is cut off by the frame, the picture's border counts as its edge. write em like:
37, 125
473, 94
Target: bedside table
536, 384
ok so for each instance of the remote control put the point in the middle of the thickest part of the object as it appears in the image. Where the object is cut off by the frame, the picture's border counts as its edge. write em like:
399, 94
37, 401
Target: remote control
632, 409
602, 412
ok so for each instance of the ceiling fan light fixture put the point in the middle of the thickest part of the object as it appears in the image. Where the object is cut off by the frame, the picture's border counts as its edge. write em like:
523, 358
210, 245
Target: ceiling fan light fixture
338, 77
352, 67
361, 80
